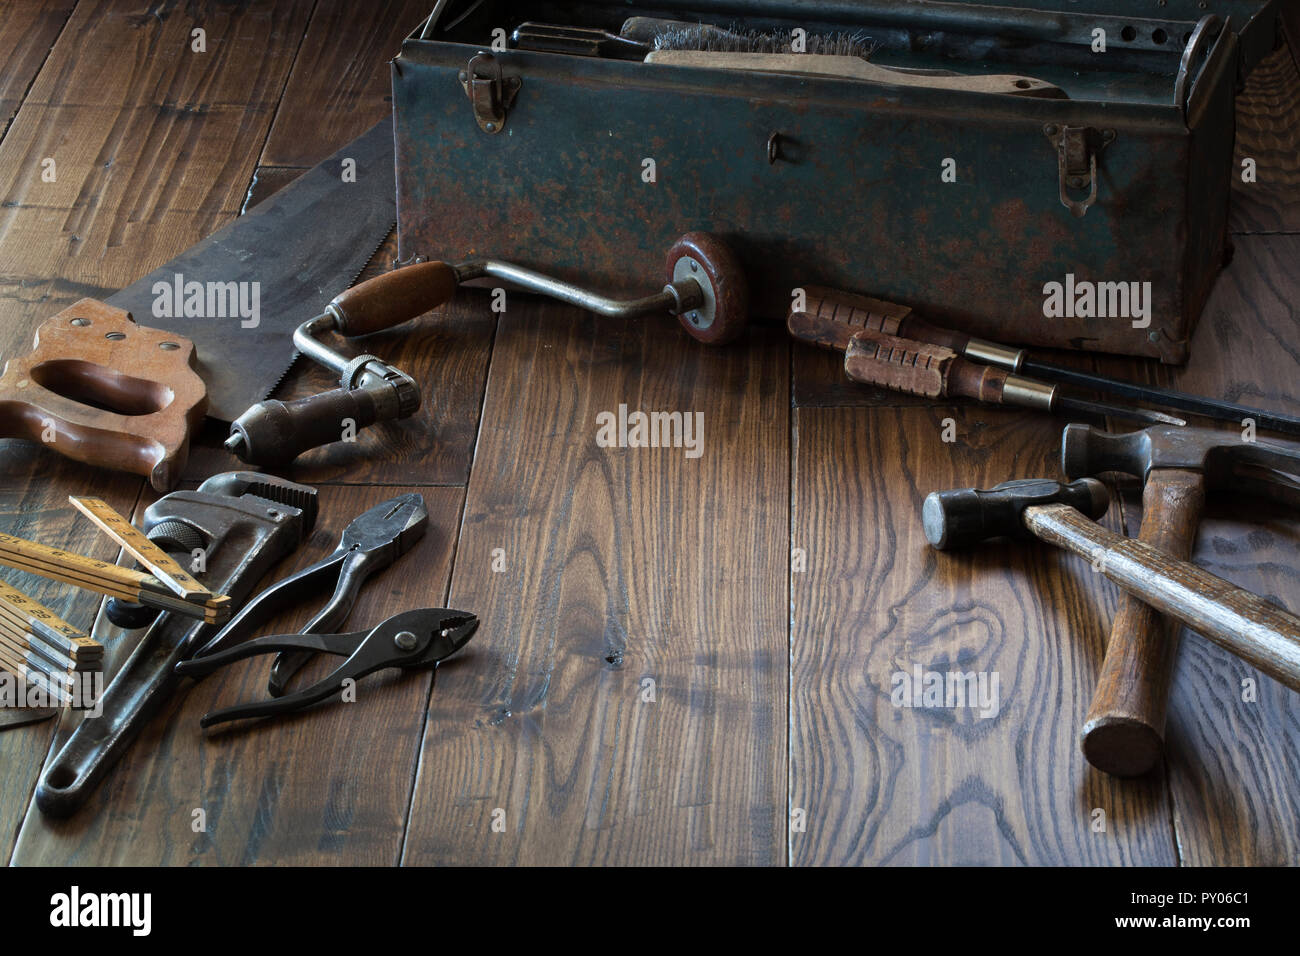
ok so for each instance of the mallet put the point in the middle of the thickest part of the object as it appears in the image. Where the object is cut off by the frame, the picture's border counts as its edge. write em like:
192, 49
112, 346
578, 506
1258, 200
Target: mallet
1239, 621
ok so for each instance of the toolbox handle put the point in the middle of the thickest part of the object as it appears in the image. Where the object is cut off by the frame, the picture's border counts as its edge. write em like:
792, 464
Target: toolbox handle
1196, 49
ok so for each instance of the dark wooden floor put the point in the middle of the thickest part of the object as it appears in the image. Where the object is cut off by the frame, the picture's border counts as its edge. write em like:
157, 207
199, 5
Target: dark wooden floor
770, 680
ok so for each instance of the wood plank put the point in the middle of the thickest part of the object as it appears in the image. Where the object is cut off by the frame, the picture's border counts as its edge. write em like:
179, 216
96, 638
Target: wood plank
1233, 764
153, 146
28, 29
621, 565
887, 784
34, 505
340, 85
326, 786
1268, 132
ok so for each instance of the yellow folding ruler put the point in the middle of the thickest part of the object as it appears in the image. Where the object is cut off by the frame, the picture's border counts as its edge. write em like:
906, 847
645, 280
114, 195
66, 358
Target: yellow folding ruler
42, 648
170, 587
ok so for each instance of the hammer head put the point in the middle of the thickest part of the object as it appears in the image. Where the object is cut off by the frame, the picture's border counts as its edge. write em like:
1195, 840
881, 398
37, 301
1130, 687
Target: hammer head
1086, 450
965, 516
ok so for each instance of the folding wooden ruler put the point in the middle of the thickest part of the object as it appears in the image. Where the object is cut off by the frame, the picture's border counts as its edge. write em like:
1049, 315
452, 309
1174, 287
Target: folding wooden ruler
170, 587
39, 646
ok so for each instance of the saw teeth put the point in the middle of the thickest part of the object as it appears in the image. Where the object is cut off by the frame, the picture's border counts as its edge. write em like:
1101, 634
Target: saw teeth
275, 386
374, 252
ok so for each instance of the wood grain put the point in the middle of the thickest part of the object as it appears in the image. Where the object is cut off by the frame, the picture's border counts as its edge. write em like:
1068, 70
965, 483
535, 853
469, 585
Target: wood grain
153, 145
325, 786
620, 565
886, 784
340, 85
34, 488
28, 29
1268, 132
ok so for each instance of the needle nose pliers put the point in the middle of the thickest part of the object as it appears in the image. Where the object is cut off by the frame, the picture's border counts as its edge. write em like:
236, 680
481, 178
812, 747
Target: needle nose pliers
412, 639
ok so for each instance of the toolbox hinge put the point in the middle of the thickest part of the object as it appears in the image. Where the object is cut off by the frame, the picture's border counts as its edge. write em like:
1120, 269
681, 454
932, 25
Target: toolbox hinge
490, 93
1077, 148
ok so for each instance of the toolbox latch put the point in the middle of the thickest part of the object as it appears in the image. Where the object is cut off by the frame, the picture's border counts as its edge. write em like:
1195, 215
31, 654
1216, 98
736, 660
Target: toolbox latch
490, 93
1077, 148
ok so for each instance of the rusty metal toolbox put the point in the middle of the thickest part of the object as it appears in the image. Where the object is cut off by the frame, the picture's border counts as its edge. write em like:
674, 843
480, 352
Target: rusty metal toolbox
1043, 171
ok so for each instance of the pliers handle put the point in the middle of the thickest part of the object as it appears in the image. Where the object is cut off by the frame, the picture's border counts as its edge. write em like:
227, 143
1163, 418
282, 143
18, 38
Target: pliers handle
370, 543
411, 639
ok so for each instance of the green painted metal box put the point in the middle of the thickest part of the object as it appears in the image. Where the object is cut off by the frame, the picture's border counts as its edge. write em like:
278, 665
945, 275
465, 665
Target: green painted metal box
1091, 218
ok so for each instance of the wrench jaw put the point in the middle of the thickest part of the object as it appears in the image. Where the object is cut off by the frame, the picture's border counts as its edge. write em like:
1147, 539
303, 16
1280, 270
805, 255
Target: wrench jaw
249, 523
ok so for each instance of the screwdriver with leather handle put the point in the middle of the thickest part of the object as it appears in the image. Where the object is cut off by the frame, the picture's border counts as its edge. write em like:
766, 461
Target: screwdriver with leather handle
862, 311
934, 371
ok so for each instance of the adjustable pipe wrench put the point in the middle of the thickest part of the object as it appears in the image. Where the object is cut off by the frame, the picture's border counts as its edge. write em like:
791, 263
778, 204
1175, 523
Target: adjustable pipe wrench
244, 523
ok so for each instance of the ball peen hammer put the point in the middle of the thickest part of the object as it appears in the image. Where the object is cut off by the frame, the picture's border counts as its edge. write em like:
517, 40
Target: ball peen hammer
1123, 733
1243, 623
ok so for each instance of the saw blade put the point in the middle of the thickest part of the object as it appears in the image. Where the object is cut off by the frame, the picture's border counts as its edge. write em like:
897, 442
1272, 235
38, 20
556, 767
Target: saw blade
239, 294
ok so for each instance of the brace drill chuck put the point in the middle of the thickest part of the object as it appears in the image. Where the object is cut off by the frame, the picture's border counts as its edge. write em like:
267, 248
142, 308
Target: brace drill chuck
273, 433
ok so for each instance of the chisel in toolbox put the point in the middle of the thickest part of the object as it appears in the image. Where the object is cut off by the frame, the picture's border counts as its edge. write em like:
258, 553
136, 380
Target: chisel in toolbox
865, 312
933, 371
112, 580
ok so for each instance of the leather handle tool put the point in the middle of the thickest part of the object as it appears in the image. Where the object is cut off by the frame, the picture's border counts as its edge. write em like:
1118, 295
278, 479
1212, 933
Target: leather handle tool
862, 312
931, 371
370, 543
1239, 621
246, 523
705, 289
411, 639
1123, 733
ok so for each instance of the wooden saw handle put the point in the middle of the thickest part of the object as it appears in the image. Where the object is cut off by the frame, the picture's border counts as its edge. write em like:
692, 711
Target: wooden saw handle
393, 298
100, 389
1124, 731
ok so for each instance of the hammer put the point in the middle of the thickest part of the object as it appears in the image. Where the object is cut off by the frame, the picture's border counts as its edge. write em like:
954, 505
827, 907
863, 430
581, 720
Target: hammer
1123, 733
1243, 623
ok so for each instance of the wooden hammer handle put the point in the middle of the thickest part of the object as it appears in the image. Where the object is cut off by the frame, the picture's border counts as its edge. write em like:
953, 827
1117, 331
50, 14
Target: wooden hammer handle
1123, 733
1241, 622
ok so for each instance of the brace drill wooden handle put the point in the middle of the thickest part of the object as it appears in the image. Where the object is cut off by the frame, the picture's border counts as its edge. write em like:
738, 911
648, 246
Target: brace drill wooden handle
392, 298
